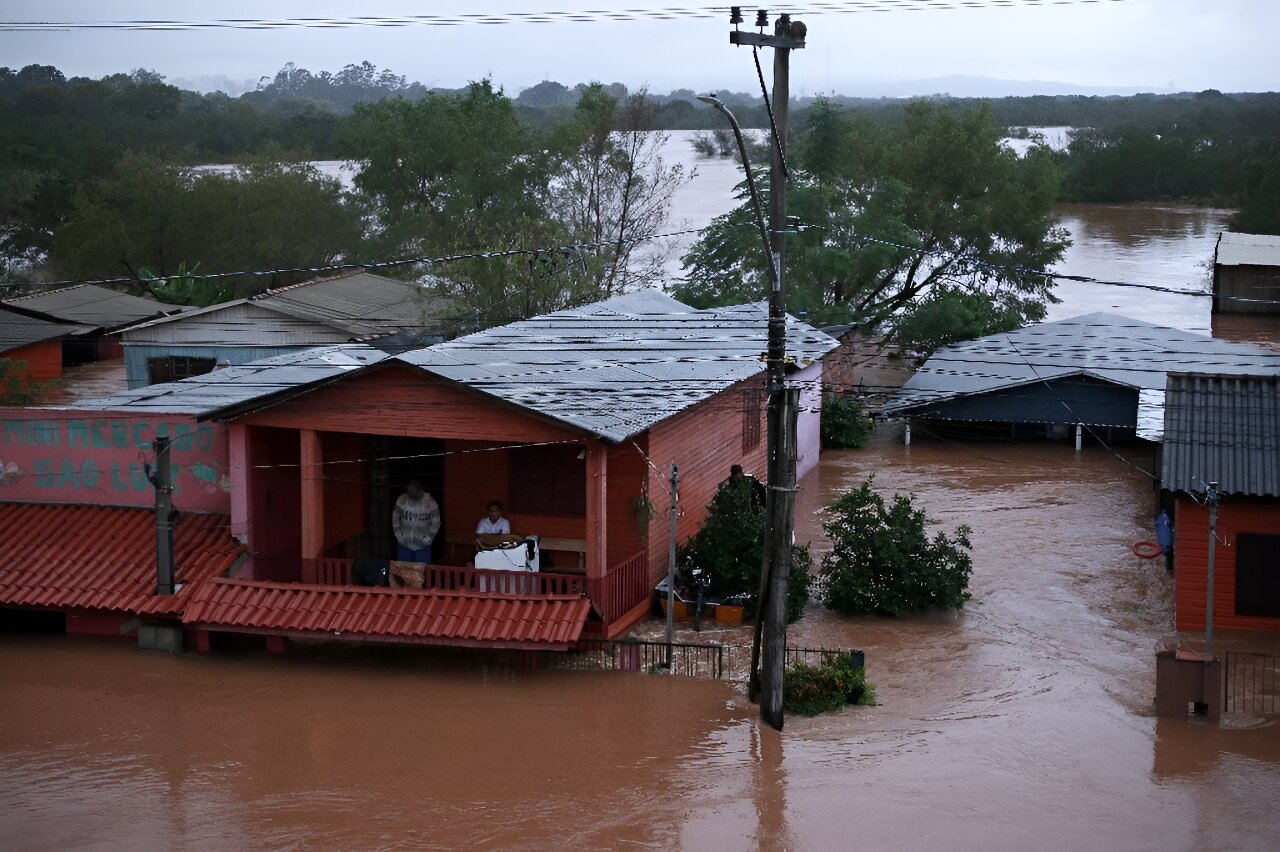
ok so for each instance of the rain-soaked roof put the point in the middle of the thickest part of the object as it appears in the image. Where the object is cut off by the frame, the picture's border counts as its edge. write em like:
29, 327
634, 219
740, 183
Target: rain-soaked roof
614, 368
232, 387
1113, 348
611, 368
1223, 429
1247, 249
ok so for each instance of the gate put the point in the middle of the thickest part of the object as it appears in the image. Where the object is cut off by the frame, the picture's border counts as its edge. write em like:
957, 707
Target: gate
1251, 683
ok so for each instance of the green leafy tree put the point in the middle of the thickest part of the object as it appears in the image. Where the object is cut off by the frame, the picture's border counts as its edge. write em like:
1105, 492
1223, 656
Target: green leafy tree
844, 424
153, 216
882, 561
891, 212
16, 387
729, 546
948, 315
831, 684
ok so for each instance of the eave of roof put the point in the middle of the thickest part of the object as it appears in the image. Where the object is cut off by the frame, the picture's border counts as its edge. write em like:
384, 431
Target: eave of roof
59, 556
380, 614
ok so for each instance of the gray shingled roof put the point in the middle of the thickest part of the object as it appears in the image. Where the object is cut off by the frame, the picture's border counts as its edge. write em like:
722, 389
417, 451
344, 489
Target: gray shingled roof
359, 303
1113, 348
1223, 429
91, 305
232, 387
21, 330
614, 368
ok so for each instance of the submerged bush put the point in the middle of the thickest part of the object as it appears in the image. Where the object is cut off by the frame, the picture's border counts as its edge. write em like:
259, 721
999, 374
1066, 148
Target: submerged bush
830, 685
883, 562
845, 424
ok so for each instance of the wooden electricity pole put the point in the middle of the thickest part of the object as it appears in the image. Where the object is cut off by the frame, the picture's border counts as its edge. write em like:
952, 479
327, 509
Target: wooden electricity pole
768, 651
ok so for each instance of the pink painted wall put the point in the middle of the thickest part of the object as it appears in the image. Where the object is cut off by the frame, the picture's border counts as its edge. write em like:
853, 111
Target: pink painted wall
96, 457
809, 421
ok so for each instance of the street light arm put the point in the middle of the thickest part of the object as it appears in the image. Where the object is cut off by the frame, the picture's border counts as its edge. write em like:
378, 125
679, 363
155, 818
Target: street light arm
751, 185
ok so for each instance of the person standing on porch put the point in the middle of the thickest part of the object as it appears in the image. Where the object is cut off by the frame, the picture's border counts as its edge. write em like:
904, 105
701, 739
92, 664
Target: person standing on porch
415, 522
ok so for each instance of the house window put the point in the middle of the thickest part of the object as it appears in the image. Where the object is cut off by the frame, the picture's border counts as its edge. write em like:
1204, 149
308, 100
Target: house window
750, 419
1257, 574
174, 367
548, 481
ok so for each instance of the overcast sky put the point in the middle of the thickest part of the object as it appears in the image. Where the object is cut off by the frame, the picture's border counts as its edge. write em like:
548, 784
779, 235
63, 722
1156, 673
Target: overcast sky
1131, 45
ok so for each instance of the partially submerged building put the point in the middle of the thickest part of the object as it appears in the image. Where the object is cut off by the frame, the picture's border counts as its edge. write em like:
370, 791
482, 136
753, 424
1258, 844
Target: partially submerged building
1224, 430
337, 309
1102, 371
1246, 274
572, 419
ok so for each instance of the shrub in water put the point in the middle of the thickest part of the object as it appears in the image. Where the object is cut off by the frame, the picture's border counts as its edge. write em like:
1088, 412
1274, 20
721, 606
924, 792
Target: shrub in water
883, 562
844, 423
830, 685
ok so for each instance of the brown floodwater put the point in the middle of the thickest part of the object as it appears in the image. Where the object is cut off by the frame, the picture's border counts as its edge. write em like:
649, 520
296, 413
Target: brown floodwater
1021, 722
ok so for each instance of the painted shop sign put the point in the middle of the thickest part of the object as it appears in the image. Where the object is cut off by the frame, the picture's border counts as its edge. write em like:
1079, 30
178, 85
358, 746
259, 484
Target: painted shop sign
57, 456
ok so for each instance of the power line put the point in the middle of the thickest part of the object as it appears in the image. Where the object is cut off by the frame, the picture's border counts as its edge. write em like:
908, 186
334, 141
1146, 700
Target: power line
514, 18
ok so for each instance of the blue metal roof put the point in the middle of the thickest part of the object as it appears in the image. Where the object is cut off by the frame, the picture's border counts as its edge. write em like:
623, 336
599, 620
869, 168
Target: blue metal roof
1116, 349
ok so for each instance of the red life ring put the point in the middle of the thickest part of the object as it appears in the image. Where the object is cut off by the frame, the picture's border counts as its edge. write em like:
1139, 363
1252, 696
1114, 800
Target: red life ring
1147, 549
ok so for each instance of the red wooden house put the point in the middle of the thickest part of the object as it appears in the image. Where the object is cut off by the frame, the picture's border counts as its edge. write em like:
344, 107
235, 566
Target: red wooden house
1225, 429
570, 419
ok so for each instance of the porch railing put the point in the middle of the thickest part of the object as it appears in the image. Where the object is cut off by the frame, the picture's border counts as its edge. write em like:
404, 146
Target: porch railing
623, 587
337, 572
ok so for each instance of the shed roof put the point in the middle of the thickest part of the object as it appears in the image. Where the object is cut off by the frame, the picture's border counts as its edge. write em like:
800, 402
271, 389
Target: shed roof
616, 367
358, 303
1109, 347
96, 557
21, 330
612, 368
1247, 249
362, 613
205, 395
1223, 429
91, 305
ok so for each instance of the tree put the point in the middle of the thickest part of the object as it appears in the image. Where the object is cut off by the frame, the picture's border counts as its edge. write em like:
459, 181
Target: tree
729, 547
882, 561
154, 216
892, 212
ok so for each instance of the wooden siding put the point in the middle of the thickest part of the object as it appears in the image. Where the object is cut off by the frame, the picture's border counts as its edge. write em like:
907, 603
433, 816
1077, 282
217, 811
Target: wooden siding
245, 324
136, 356
43, 359
404, 401
1247, 282
346, 488
704, 441
275, 504
1191, 557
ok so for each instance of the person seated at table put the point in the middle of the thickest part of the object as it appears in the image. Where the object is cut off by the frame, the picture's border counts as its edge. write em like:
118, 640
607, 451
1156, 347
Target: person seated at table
495, 530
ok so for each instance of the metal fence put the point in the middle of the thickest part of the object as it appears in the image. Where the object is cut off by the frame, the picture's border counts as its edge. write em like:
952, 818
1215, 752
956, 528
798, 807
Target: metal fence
1251, 683
718, 662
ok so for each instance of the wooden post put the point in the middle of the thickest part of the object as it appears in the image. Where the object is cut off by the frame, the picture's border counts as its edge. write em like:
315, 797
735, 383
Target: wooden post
1211, 497
312, 498
597, 511
166, 581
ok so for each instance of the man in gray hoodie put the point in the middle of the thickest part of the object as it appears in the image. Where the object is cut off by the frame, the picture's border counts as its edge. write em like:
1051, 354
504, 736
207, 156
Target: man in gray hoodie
415, 521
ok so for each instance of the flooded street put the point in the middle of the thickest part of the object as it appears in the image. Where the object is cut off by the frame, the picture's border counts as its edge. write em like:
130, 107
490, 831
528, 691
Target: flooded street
1023, 721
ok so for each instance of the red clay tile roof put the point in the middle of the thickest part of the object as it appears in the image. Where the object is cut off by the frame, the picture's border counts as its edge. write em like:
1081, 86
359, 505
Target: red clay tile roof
100, 557
379, 614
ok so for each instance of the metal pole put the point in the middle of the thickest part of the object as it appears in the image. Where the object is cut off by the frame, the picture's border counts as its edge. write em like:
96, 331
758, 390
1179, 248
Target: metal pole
1211, 493
671, 562
165, 584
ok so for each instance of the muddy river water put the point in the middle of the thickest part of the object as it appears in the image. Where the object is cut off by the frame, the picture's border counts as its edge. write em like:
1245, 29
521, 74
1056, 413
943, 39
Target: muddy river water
1022, 722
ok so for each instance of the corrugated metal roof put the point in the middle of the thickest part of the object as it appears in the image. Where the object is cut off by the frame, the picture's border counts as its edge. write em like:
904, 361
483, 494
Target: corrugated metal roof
21, 330
357, 303
1247, 249
98, 557
616, 367
95, 306
234, 386
1223, 429
362, 613
1113, 348
613, 368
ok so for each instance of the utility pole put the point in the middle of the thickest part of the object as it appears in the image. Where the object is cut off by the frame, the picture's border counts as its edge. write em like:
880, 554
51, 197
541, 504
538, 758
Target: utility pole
671, 562
768, 652
162, 480
1211, 497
